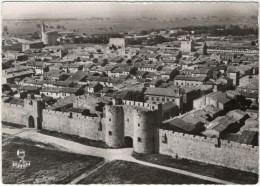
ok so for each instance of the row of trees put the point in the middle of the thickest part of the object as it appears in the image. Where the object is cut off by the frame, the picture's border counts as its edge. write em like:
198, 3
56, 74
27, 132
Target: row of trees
236, 30
156, 40
95, 40
134, 96
217, 30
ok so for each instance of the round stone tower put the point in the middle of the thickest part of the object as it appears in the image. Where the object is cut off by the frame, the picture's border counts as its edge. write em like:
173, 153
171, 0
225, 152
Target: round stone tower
114, 126
145, 126
49, 38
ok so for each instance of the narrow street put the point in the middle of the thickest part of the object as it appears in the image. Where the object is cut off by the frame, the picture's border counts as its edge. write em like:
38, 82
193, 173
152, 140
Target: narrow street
108, 154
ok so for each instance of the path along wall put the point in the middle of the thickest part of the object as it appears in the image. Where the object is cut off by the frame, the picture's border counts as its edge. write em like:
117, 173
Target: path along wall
74, 124
13, 113
209, 150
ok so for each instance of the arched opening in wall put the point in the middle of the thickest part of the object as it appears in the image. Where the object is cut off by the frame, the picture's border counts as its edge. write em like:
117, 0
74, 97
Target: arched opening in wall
31, 122
128, 141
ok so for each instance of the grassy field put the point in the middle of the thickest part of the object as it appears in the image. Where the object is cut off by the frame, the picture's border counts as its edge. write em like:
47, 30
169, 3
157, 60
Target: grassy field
48, 164
223, 173
123, 172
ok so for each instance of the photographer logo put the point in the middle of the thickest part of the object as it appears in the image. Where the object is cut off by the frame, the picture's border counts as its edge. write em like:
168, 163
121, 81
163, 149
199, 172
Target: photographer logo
22, 164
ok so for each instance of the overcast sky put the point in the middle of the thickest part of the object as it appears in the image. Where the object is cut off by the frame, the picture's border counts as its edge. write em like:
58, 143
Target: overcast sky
16, 10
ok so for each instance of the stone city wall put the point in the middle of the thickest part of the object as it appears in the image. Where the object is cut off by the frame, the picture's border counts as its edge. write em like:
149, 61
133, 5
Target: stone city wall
74, 124
13, 113
209, 150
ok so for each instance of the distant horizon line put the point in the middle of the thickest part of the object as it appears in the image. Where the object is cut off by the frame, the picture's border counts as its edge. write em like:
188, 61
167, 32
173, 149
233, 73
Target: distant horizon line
105, 17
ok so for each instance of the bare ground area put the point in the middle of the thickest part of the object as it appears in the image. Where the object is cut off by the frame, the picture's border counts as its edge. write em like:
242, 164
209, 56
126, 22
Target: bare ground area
12, 125
236, 176
124, 172
46, 162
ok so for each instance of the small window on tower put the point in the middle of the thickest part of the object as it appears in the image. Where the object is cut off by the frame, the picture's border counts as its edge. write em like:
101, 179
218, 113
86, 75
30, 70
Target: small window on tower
110, 133
109, 119
100, 126
139, 139
127, 120
165, 139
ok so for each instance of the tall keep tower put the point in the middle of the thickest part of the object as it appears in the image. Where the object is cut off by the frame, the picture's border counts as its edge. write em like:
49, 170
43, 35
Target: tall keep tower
43, 27
49, 38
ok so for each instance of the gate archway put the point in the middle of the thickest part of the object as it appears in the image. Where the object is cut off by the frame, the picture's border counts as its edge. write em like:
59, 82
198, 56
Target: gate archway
128, 141
31, 122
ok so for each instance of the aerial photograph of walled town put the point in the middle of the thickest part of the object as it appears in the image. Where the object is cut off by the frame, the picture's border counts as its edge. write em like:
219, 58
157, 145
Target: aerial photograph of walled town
130, 93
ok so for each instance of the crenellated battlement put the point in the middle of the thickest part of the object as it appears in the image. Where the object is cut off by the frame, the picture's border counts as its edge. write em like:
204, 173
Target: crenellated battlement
190, 137
69, 115
209, 150
225, 143
12, 105
53, 112
208, 140
140, 104
79, 116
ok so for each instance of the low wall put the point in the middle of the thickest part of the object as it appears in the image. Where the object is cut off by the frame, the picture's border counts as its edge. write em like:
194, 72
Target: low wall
209, 150
74, 124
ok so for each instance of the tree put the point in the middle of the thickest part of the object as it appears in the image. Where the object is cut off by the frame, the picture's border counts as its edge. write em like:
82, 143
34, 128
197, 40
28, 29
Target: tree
78, 59
6, 87
95, 60
133, 71
45, 60
134, 96
242, 102
104, 74
179, 56
205, 48
143, 32
76, 40
129, 61
91, 55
